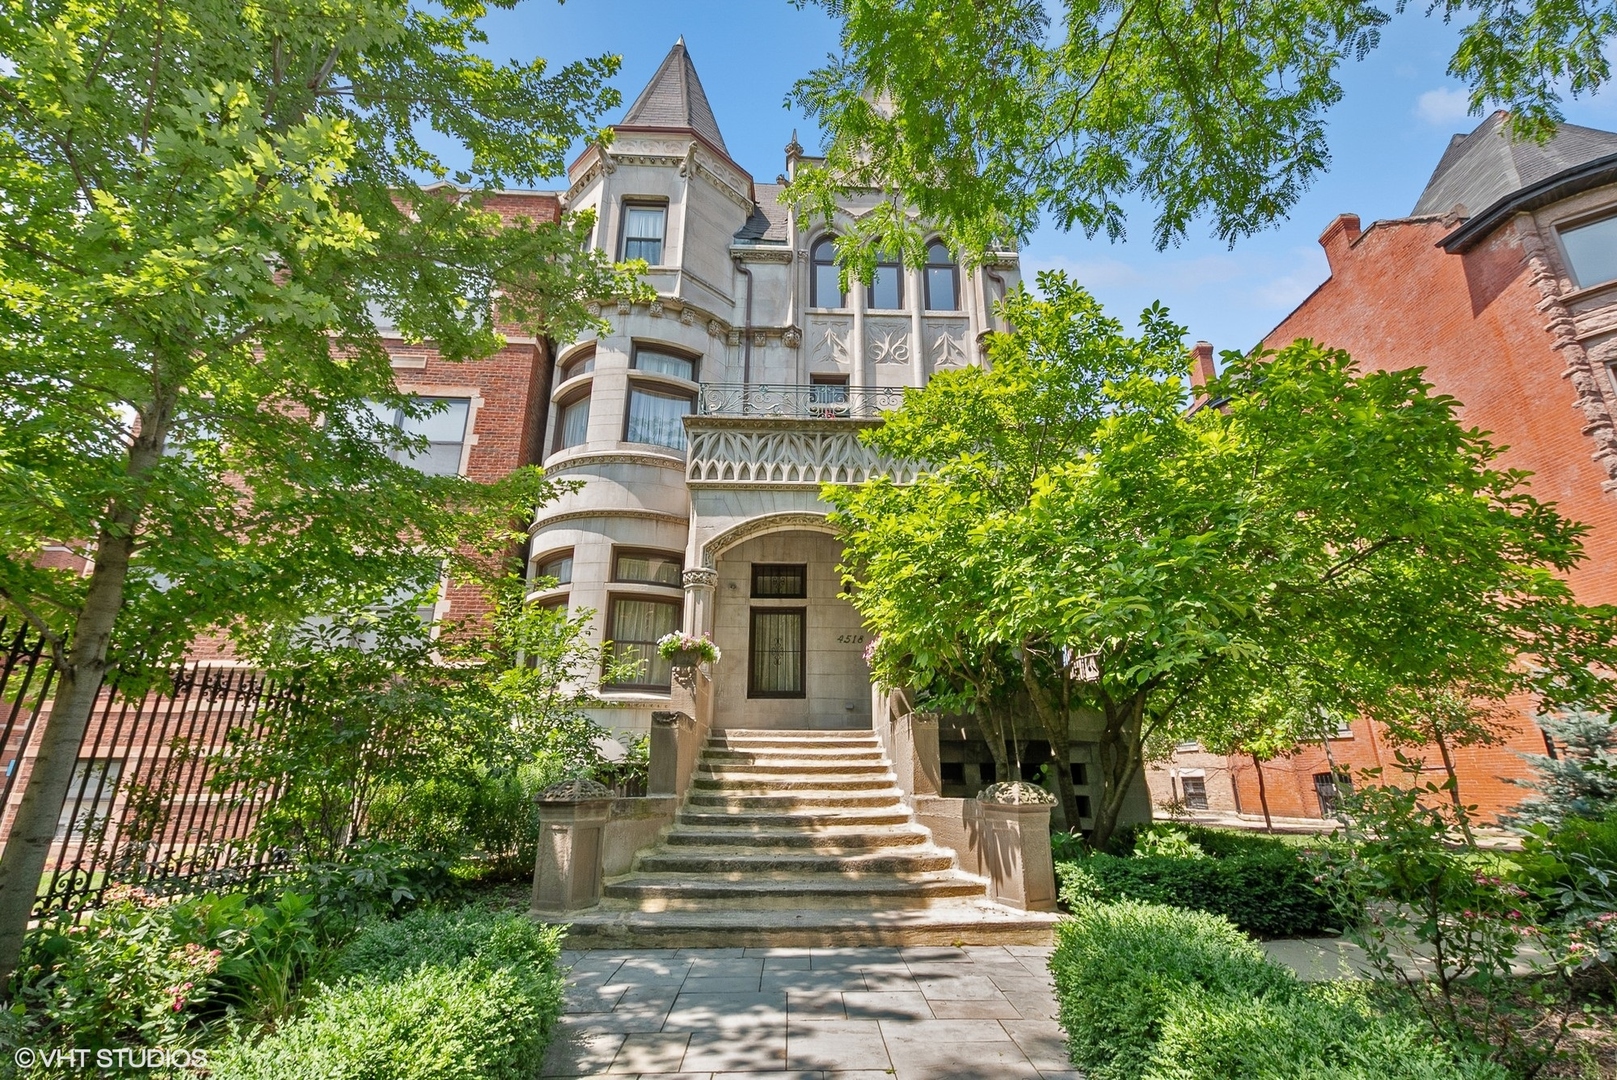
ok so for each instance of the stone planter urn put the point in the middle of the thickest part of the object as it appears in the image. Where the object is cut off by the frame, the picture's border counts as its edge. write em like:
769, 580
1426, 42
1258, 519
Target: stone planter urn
685, 658
1016, 848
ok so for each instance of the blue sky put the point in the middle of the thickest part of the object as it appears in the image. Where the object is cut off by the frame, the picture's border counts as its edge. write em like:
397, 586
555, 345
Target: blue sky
1397, 114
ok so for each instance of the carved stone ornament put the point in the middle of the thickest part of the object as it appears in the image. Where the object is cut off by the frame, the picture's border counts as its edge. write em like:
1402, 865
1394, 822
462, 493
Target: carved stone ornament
889, 348
579, 789
833, 347
734, 336
791, 338
714, 327
624, 307
760, 338
655, 309
687, 317
1016, 793
594, 308
701, 578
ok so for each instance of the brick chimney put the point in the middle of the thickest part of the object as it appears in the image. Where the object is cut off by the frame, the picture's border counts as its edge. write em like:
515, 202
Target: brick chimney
1202, 371
1338, 236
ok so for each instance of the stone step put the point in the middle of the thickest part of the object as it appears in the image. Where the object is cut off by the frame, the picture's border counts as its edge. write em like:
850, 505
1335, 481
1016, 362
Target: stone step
801, 768
750, 782
797, 734
785, 756
716, 815
826, 841
614, 926
756, 891
793, 800
705, 860
772, 744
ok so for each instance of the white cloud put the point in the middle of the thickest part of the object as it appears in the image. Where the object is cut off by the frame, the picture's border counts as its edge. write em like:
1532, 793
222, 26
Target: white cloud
1443, 106
1092, 273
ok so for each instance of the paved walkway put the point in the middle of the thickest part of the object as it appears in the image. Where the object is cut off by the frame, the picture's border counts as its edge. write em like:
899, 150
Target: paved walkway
924, 1013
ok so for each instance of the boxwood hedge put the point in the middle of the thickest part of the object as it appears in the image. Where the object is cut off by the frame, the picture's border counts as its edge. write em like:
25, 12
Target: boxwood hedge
1262, 885
1149, 992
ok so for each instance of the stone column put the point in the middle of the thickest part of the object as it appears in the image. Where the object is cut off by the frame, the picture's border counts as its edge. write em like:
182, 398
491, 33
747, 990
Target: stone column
567, 873
700, 584
917, 299
856, 336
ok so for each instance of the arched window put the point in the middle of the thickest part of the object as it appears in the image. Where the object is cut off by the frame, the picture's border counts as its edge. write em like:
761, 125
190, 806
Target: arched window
886, 290
825, 286
942, 279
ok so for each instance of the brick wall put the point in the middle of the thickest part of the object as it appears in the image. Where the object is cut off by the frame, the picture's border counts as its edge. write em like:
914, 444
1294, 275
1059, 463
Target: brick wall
1396, 300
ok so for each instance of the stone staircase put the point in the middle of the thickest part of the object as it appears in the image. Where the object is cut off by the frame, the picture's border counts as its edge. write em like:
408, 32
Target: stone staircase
799, 838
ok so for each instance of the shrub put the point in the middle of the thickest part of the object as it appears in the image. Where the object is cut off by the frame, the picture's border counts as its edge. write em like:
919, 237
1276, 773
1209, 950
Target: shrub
1262, 885
458, 996
147, 972
1120, 968
1160, 993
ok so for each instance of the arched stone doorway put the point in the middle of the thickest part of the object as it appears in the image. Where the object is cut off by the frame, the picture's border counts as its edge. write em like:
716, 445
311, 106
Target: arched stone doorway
793, 650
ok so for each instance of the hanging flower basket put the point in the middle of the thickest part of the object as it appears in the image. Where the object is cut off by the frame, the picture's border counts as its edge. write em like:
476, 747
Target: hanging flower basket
686, 650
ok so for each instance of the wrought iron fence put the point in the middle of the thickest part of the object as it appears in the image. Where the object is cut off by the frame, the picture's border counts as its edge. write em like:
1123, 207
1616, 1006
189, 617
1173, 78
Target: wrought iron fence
148, 804
815, 401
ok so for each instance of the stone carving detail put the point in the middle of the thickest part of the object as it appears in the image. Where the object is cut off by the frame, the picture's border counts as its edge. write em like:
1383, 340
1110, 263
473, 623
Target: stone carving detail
718, 544
687, 317
655, 309
594, 308
791, 338
949, 351
886, 343
734, 337
624, 307
701, 577
760, 338
776, 456
1580, 371
833, 347
714, 327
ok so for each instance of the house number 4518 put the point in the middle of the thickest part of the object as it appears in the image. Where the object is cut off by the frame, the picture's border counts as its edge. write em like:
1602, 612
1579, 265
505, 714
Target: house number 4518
851, 639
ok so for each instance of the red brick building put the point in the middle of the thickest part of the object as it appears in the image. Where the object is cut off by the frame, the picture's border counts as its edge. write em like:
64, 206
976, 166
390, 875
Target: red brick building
494, 423
1502, 284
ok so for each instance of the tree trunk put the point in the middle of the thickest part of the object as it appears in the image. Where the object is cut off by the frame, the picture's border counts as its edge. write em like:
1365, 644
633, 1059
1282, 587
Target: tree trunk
33, 831
1055, 729
83, 670
1454, 789
1263, 795
1121, 757
994, 732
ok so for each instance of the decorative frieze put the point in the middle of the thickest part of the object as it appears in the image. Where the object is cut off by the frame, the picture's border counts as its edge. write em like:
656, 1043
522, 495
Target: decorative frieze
887, 341
786, 454
832, 348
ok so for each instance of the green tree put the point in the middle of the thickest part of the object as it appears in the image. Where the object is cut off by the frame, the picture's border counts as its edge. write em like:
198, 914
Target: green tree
1323, 542
385, 731
203, 206
981, 116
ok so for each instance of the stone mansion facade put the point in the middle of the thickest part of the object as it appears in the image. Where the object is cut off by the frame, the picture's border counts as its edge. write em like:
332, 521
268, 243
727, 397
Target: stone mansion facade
701, 426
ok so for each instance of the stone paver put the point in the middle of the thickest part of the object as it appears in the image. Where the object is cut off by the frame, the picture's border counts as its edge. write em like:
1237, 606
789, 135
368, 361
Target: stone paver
931, 1013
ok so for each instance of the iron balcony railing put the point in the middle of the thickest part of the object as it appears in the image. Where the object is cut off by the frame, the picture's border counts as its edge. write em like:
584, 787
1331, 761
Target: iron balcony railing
817, 401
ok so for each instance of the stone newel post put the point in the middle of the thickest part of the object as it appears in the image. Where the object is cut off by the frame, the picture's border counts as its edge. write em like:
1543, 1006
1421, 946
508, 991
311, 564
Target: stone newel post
572, 817
700, 584
1016, 846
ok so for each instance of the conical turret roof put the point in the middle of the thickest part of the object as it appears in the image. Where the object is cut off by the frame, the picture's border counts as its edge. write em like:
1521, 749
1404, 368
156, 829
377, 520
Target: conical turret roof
674, 98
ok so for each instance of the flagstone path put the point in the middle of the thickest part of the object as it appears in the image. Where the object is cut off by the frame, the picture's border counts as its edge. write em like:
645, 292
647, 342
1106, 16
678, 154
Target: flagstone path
921, 1013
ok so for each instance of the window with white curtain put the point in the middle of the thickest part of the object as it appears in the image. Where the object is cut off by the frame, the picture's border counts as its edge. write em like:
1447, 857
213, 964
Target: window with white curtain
573, 425
657, 417
634, 626
659, 362
647, 568
444, 430
643, 232
558, 566
776, 653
